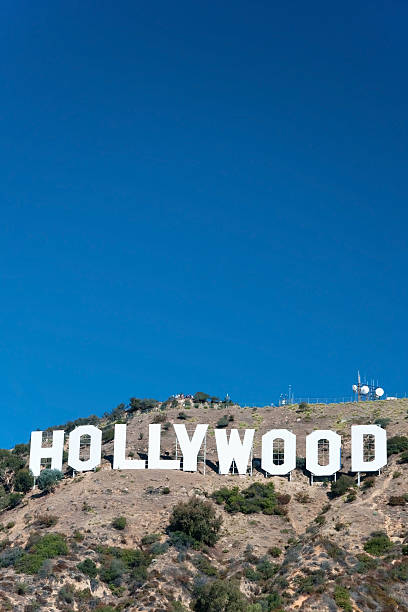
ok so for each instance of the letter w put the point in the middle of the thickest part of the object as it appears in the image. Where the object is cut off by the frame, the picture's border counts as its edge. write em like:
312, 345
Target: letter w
233, 449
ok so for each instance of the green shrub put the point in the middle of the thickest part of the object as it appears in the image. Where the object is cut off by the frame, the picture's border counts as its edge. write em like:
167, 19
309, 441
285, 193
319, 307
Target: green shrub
342, 485
303, 407
48, 479
21, 588
368, 483
21, 449
10, 556
272, 602
219, 596
67, 593
159, 418
204, 565
182, 416
382, 422
365, 563
108, 433
119, 523
116, 562
400, 571
275, 552
151, 538
378, 544
11, 500
258, 497
23, 481
112, 572
39, 549
47, 520
88, 567
342, 598
158, 548
197, 519
224, 421
396, 445
310, 583
181, 541
201, 397
403, 458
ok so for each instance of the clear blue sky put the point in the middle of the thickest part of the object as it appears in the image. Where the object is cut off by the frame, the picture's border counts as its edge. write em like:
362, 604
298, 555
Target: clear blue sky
199, 196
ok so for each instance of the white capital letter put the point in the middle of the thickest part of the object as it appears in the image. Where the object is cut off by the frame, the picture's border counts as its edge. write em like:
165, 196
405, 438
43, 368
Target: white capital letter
312, 452
190, 448
154, 462
119, 452
38, 452
233, 450
357, 448
289, 456
74, 459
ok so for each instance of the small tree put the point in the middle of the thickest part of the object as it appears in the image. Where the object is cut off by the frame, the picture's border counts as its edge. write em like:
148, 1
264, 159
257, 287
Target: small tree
48, 479
201, 397
396, 445
378, 544
119, 523
23, 481
88, 567
196, 519
220, 596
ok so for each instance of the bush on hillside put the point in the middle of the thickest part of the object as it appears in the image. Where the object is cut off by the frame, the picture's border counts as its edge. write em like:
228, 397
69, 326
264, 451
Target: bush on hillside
303, 407
119, 523
383, 422
108, 433
224, 421
10, 500
23, 481
342, 485
378, 544
39, 549
258, 497
219, 596
46, 520
117, 562
142, 405
201, 397
160, 417
342, 598
397, 444
403, 458
48, 479
67, 594
368, 483
88, 567
196, 519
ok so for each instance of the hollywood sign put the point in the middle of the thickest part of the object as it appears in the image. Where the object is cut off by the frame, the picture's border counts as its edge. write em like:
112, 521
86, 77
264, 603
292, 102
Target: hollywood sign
231, 450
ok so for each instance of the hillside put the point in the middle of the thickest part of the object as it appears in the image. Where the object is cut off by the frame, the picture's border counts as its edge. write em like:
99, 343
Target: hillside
310, 551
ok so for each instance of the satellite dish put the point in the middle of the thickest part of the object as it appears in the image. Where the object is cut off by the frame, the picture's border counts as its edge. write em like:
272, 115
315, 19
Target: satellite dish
379, 392
365, 390
354, 388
